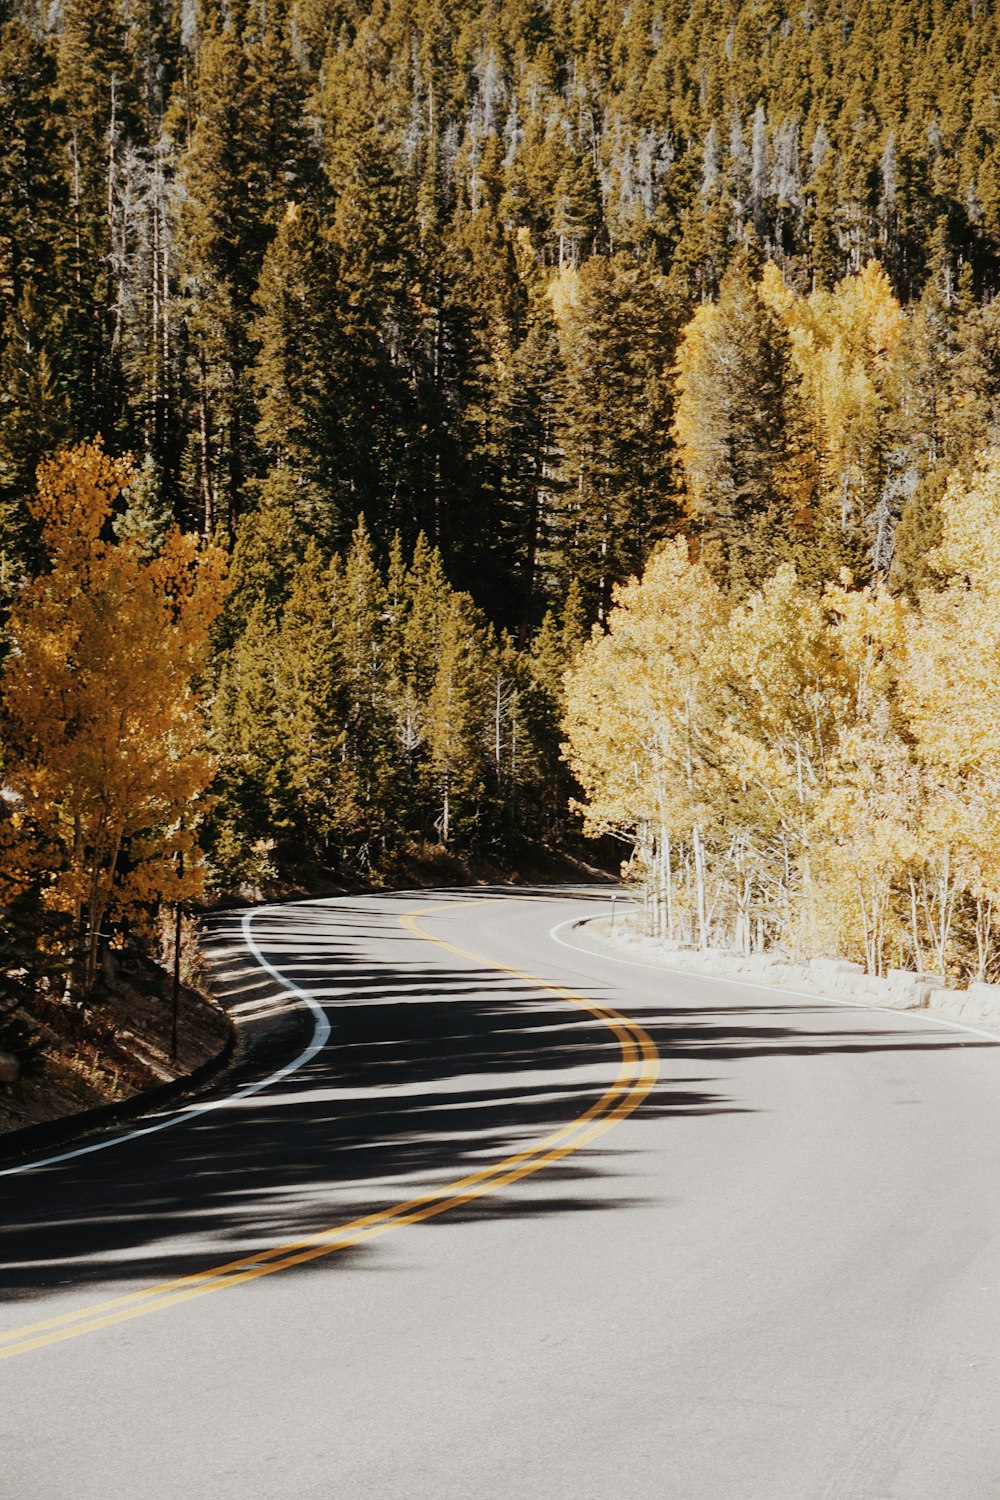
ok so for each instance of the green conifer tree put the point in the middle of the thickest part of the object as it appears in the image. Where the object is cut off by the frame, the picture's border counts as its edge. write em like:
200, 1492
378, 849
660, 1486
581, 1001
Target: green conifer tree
617, 338
738, 428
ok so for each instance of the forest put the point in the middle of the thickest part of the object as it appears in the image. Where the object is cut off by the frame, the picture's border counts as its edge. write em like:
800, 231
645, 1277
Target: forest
354, 359
802, 772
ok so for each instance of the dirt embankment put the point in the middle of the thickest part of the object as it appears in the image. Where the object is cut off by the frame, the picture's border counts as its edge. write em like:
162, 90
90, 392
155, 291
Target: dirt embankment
75, 1056
72, 1057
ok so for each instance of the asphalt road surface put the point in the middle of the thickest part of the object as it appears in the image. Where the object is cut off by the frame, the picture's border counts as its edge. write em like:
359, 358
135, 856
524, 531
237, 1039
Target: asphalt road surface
581, 1231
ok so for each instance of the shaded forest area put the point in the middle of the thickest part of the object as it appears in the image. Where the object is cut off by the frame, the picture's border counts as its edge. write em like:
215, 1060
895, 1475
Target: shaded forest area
434, 319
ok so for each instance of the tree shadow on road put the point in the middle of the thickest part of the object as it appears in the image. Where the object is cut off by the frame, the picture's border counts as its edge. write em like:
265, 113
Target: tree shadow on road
436, 1067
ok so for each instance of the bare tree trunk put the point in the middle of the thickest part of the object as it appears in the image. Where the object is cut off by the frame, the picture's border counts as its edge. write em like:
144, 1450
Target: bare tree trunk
117, 253
155, 311
939, 919
76, 213
101, 884
446, 812
699, 880
869, 953
164, 274
918, 960
497, 732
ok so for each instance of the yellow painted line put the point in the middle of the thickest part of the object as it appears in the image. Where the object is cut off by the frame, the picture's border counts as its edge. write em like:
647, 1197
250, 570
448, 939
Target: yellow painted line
637, 1074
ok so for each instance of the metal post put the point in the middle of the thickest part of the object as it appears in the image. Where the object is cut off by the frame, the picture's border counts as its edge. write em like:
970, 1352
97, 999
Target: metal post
613, 900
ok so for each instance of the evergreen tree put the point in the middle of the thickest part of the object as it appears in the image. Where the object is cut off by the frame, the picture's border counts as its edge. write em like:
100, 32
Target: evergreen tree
310, 416
370, 772
553, 652
308, 713
248, 149
738, 428
252, 816
617, 338
455, 770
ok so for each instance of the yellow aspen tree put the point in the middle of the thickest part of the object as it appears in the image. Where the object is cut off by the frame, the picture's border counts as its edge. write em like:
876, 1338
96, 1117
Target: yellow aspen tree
106, 759
950, 693
640, 714
786, 696
845, 345
871, 812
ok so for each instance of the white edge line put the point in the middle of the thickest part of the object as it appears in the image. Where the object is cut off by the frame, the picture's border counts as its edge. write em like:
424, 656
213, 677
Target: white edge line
320, 1036
770, 989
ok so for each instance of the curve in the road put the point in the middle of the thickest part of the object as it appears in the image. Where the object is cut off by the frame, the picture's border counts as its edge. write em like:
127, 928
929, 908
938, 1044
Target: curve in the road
915, 1017
637, 1075
318, 1040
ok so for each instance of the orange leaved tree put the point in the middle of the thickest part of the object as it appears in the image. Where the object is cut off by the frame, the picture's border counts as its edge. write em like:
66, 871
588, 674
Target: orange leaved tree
106, 765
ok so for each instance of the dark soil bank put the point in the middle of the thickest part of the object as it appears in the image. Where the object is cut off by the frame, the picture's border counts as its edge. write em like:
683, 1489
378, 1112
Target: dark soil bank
76, 1057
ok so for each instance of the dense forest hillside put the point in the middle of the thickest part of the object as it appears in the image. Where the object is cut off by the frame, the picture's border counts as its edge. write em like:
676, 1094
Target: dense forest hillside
301, 255
430, 320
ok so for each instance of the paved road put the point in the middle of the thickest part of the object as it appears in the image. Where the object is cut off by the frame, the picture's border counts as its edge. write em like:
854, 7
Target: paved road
771, 1273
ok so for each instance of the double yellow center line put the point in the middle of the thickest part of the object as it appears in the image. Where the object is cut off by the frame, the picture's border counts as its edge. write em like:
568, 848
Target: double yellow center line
636, 1076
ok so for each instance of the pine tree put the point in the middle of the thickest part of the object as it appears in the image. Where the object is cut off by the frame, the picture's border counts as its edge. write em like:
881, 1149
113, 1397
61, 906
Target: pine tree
370, 773
271, 542
308, 404
738, 428
97, 93
457, 714
552, 653
372, 236
308, 712
34, 420
617, 337
247, 151
254, 815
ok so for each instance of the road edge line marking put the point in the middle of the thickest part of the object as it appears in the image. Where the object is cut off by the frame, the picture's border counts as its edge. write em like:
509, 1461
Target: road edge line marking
770, 989
318, 1040
639, 1055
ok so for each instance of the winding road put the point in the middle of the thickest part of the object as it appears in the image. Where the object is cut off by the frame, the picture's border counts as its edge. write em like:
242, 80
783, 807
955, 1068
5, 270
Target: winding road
483, 1212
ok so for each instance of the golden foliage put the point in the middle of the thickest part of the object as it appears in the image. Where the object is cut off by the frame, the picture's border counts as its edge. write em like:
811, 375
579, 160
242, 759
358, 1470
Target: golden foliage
844, 345
812, 770
106, 760
688, 418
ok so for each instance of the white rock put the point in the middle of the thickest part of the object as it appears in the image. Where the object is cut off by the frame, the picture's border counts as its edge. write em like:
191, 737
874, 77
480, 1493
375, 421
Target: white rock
986, 994
908, 979
835, 966
763, 965
984, 1002
917, 996
948, 1002
790, 975
851, 983
875, 987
